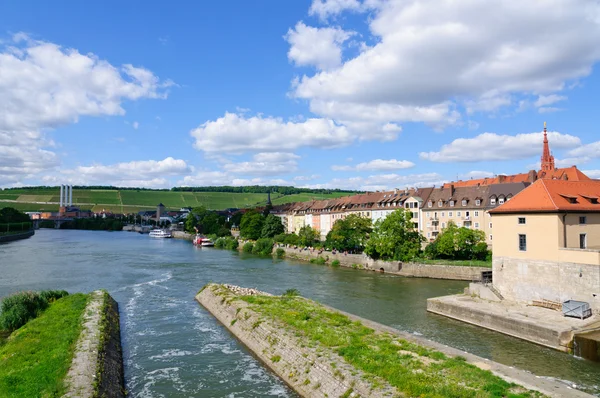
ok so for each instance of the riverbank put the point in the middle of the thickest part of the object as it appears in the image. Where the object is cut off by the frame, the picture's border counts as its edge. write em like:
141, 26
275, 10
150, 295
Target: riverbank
539, 325
360, 261
17, 236
319, 351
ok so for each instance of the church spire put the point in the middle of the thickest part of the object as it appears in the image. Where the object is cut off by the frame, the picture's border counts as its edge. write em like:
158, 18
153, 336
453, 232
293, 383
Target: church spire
547, 158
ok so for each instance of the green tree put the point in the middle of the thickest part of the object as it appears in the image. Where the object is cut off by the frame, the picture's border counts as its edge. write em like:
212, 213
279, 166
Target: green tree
272, 226
251, 225
460, 243
307, 236
395, 238
350, 233
190, 223
9, 214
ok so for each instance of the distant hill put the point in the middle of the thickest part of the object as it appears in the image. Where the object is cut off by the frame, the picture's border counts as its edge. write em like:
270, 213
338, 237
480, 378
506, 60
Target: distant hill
131, 200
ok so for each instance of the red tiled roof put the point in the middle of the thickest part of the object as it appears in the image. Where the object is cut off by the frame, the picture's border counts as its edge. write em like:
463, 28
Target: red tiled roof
549, 196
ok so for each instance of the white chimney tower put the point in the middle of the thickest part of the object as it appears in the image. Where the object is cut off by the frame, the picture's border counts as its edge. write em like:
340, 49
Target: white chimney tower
61, 196
71, 195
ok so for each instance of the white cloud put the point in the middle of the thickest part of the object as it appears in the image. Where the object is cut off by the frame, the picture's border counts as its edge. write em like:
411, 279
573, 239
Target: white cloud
307, 178
205, 178
265, 164
491, 146
589, 151
135, 125
236, 133
319, 47
377, 165
544, 100
549, 109
592, 173
44, 86
142, 173
477, 54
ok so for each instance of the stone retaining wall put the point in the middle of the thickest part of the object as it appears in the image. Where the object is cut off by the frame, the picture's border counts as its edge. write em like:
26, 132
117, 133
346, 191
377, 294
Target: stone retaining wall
13, 237
360, 261
182, 235
97, 366
311, 373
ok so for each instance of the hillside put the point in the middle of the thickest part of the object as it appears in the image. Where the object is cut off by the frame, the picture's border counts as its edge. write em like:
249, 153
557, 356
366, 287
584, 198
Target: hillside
130, 201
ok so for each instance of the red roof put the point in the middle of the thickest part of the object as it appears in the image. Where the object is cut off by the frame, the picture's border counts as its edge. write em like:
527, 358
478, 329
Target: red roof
550, 196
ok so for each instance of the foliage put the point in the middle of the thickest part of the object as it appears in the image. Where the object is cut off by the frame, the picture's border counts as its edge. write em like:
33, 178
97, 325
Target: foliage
415, 370
319, 260
251, 225
272, 226
37, 357
46, 224
247, 248
291, 293
335, 263
288, 239
280, 253
12, 215
232, 244
458, 244
307, 236
206, 222
395, 238
19, 308
350, 233
263, 246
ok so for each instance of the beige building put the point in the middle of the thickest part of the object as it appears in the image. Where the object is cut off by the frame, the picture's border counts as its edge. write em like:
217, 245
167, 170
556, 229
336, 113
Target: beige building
547, 243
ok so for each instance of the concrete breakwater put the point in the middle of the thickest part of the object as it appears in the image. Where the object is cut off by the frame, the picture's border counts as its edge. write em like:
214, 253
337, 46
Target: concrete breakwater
316, 369
97, 366
417, 270
17, 236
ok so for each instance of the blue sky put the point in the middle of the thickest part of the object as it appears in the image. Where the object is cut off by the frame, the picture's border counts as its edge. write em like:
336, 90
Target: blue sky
355, 94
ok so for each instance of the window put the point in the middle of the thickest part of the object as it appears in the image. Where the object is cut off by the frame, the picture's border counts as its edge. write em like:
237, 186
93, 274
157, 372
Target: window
522, 220
429, 204
582, 241
478, 202
490, 237
429, 234
522, 242
440, 203
476, 214
464, 202
467, 213
443, 225
443, 214
458, 214
501, 200
428, 214
493, 201
582, 220
449, 214
451, 203
490, 225
476, 225
428, 224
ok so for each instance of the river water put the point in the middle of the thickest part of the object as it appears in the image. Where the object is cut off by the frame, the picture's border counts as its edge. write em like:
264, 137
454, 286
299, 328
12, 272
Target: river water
174, 348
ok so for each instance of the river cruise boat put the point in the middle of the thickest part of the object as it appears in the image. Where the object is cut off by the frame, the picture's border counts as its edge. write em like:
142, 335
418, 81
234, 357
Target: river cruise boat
160, 233
200, 240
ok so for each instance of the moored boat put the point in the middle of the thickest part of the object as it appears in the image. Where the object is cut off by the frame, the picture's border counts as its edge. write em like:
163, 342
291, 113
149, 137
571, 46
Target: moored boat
160, 233
203, 241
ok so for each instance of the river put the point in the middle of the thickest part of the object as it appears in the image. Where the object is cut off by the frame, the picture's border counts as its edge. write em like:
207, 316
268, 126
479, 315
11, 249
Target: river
174, 348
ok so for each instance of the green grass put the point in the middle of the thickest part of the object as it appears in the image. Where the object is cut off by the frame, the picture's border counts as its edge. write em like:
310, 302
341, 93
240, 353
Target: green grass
305, 197
35, 359
464, 263
414, 370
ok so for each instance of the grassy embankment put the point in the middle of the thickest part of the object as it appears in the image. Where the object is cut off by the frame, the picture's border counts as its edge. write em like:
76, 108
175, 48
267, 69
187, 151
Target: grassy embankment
131, 201
35, 359
414, 370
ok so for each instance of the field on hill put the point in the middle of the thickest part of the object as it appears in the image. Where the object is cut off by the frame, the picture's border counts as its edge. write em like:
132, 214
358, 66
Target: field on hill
132, 201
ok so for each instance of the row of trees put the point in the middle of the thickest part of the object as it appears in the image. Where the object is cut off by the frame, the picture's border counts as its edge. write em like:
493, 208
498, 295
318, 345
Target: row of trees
392, 238
283, 190
207, 222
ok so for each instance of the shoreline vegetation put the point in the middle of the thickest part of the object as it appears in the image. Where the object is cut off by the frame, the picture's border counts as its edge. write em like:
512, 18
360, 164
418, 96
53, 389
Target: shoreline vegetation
37, 343
381, 357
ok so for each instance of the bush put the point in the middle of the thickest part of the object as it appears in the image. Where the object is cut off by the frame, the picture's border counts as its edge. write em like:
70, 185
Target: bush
291, 239
291, 293
220, 243
247, 248
263, 246
232, 244
335, 263
21, 307
280, 238
280, 253
319, 260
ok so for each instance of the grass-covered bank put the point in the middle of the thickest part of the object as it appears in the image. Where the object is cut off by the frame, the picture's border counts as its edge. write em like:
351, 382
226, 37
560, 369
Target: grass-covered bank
35, 358
413, 369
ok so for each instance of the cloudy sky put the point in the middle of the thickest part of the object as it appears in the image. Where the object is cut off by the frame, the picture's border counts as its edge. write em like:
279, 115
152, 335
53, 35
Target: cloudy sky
360, 94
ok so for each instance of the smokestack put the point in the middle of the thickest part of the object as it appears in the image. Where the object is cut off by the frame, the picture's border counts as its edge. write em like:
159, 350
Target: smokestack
61, 195
70, 195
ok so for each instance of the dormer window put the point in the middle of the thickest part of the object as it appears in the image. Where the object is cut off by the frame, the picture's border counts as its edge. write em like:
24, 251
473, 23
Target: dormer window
493, 200
478, 202
429, 204
501, 200
440, 203
464, 202
451, 203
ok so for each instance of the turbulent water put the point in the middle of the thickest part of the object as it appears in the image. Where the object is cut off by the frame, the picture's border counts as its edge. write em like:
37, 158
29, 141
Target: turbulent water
174, 348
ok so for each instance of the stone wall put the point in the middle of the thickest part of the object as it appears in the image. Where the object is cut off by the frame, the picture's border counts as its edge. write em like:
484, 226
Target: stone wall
97, 366
395, 267
13, 237
182, 235
310, 372
524, 280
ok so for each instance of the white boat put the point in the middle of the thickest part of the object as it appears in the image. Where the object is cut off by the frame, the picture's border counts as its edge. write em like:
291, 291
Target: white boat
160, 233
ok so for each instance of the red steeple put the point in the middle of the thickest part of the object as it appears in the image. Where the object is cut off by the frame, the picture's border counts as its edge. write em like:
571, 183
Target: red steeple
547, 158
